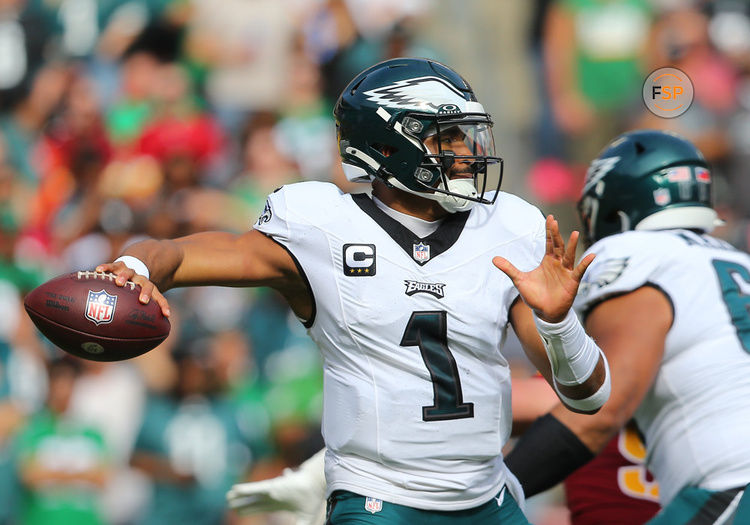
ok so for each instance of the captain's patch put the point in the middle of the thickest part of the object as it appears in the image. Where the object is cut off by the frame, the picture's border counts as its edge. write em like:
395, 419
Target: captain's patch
359, 260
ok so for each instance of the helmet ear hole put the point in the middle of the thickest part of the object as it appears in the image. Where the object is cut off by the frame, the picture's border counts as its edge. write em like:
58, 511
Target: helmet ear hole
639, 148
384, 149
613, 220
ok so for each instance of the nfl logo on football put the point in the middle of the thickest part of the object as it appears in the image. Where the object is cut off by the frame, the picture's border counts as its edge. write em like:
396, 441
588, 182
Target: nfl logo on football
100, 307
421, 252
373, 505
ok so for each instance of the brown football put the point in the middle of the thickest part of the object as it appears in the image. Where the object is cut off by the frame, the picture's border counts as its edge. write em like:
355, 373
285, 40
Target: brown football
88, 315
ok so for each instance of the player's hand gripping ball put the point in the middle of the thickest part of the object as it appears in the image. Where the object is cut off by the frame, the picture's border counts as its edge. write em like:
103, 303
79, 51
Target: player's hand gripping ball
88, 315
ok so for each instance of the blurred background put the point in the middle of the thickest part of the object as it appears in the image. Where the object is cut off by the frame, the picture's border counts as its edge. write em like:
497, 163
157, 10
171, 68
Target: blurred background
124, 119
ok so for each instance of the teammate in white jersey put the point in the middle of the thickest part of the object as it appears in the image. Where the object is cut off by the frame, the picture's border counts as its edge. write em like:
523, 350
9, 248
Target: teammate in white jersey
400, 293
669, 306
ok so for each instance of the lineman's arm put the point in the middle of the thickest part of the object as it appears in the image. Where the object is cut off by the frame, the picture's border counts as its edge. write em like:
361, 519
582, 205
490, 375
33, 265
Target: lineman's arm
631, 330
214, 258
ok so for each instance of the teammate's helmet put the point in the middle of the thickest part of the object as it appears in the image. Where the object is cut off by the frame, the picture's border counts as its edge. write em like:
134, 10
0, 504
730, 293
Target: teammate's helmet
387, 112
647, 180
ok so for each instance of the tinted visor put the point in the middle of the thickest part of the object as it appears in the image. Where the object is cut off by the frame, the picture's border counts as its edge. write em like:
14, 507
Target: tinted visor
463, 139
457, 145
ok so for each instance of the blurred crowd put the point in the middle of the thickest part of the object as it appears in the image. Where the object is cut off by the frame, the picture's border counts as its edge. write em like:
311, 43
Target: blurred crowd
591, 59
125, 119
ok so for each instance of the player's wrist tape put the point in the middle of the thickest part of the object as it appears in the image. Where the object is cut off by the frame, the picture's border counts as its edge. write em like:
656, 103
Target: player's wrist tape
545, 455
572, 354
596, 400
135, 264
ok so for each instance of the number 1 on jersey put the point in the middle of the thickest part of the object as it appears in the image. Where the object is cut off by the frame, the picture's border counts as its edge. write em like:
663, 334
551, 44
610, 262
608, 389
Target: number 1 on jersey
429, 331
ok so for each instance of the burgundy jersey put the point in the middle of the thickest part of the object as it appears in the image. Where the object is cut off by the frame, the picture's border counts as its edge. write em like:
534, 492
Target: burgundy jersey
615, 487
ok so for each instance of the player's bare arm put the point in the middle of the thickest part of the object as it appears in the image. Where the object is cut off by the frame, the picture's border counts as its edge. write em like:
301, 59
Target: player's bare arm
631, 330
548, 292
214, 258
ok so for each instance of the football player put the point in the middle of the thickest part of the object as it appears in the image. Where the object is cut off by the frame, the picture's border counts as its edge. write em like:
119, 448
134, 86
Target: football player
669, 305
399, 292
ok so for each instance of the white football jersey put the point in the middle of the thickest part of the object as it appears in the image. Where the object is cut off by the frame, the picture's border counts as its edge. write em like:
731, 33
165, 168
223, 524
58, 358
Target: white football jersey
417, 392
696, 417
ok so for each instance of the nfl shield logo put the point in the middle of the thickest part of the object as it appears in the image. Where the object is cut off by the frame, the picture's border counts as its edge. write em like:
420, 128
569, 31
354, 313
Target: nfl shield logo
421, 252
662, 197
100, 307
373, 505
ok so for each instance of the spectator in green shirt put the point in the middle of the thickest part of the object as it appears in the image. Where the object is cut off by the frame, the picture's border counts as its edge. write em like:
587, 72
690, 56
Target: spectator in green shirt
62, 465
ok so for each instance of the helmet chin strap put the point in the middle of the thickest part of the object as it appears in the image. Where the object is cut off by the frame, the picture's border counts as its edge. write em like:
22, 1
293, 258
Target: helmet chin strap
461, 187
450, 203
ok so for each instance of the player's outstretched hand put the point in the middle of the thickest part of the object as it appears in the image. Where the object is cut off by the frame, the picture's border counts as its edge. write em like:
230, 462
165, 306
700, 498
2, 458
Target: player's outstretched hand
148, 289
301, 491
550, 288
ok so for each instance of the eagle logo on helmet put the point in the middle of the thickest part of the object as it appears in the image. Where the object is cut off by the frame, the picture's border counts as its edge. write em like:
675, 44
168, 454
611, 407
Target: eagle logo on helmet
597, 170
419, 94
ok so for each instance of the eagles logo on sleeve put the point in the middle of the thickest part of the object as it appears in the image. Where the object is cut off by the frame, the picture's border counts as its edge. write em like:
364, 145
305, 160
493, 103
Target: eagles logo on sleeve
605, 273
266, 215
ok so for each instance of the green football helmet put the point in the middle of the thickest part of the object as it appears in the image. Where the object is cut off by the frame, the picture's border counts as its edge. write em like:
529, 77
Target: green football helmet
414, 123
647, 180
